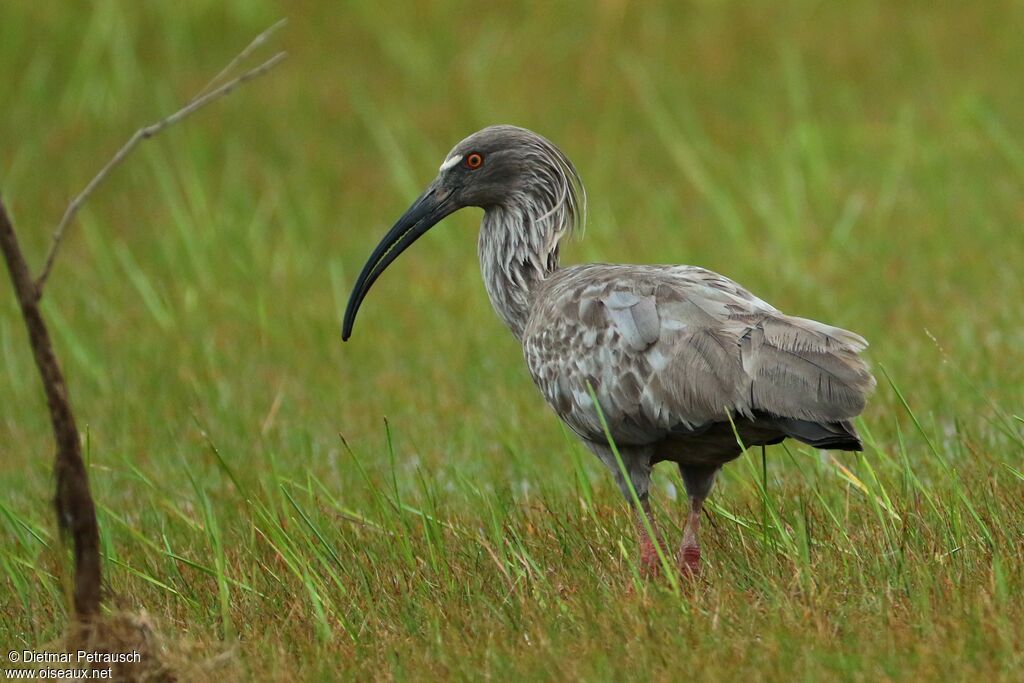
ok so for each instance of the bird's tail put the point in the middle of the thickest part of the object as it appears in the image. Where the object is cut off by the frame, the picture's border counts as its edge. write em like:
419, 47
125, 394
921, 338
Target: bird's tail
839, 436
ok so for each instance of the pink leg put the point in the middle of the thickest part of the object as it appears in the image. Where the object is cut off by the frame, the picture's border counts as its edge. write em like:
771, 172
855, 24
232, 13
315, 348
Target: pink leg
689, 551
650, 564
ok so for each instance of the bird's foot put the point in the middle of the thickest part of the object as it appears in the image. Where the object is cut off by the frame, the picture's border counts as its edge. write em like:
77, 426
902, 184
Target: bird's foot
650, 563
689, 560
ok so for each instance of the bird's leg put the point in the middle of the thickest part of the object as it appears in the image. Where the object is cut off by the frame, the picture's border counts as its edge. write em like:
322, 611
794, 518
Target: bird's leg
631, 468
699, 480
650, 563
689, 550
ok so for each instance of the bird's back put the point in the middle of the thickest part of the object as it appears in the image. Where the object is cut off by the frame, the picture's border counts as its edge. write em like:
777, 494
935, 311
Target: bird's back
673, 351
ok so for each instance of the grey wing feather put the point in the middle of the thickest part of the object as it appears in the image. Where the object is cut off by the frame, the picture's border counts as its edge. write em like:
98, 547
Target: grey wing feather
666, 347
800, 368
635, 317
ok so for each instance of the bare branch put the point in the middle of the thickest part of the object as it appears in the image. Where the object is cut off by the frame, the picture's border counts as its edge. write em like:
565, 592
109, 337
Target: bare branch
149, 131
76, 513
241, 56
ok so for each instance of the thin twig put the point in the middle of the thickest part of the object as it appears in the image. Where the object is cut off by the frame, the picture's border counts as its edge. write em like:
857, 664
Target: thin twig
143, 134
241, 56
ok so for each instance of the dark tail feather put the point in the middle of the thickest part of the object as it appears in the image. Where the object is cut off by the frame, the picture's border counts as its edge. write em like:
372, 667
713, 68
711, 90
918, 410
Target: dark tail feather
839, 436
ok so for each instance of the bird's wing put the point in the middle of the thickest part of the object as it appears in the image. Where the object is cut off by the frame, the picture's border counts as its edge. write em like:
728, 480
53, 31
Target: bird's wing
677, 347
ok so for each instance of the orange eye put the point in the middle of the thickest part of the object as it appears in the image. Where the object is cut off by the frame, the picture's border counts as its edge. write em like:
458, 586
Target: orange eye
474, 161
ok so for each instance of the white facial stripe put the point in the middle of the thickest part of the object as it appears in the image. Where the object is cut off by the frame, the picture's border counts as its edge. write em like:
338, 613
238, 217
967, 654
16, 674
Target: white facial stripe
449, 162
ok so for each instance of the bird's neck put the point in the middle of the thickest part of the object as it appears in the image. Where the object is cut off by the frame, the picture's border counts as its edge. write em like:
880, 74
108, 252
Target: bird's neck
518, 248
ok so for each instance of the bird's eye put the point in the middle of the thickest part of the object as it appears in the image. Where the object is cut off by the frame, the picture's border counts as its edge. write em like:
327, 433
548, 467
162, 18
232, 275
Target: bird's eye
474, 161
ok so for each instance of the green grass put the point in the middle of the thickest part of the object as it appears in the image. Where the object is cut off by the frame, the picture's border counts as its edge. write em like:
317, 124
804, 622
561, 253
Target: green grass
860, 163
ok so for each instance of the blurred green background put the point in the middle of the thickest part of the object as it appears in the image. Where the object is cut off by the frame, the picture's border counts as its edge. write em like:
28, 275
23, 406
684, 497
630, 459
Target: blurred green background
859, 163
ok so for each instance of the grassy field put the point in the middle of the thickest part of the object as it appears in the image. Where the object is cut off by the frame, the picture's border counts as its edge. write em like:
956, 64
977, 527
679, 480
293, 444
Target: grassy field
404, 506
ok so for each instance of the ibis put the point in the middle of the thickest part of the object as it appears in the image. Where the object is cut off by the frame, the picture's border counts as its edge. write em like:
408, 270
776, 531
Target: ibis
684, 364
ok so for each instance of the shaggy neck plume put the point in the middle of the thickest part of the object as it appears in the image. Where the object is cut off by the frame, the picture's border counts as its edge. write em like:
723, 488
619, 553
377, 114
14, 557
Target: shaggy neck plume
517, 249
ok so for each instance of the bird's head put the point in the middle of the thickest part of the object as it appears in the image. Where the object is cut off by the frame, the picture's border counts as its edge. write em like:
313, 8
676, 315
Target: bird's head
497, 168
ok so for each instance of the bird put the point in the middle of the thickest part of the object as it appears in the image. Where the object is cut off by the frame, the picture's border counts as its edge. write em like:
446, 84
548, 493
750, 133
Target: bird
685, 365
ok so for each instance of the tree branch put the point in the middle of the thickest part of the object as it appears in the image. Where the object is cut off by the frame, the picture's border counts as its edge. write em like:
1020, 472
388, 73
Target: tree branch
149, 131
76, 514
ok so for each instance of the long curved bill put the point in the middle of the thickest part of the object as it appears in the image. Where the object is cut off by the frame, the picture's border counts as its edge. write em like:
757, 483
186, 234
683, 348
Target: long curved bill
429, 209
